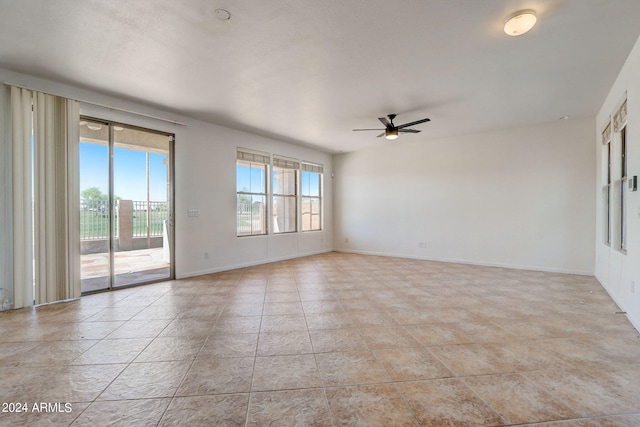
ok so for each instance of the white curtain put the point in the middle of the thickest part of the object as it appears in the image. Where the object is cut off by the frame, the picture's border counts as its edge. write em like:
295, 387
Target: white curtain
45, 211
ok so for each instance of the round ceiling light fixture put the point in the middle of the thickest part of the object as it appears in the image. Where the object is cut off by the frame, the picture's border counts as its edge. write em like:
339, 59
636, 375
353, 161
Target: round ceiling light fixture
520, 22
391, 133
223, 14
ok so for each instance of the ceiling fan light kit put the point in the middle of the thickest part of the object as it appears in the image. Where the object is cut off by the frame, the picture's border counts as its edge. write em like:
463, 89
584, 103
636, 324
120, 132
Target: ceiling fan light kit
392, 131
520, 22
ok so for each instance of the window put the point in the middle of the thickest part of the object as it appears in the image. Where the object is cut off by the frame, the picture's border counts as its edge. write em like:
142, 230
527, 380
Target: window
620, 127
251, 189
623, 189
606, 193
311, 197
285, 194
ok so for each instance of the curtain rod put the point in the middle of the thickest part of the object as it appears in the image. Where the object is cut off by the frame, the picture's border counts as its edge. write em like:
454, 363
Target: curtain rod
97, 104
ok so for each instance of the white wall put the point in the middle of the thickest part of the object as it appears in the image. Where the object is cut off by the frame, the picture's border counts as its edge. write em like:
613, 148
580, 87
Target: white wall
205, 158
519, 197
620, 273
205, 175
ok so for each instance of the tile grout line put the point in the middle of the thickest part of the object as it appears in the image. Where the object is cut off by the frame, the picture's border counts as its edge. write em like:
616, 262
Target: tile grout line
322, 383
255, 354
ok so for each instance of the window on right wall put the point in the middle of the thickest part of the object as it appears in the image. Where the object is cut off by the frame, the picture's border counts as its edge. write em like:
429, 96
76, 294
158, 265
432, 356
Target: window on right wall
606, 191
620, 128
311, 196
623, 189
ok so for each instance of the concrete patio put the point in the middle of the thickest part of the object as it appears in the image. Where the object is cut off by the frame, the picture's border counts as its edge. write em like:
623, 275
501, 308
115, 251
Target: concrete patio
130, 267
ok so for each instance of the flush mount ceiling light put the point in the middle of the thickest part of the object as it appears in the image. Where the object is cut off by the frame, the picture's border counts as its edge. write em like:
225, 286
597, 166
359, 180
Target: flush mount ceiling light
520, 22
223, 14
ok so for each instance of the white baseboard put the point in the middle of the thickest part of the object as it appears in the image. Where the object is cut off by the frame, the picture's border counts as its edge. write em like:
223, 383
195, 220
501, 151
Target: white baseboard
463, 261
248, 264
621, 306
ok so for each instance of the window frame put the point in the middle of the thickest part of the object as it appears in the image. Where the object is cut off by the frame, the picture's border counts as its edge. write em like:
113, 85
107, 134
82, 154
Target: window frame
623, 189
284, 163
319, 170
607, 193
251, 158
620, 130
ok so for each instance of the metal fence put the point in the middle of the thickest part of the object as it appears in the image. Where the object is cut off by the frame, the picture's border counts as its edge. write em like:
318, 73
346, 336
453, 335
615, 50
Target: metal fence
94, 219
148, 219
250, 219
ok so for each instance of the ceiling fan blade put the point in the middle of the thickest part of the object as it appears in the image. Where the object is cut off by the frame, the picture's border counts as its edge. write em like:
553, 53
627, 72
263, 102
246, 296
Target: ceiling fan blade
382, 134
409, 131
385, 121
357, 130
417, 122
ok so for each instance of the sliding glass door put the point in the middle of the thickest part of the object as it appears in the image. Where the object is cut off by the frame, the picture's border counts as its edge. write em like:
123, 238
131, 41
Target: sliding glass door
126, 205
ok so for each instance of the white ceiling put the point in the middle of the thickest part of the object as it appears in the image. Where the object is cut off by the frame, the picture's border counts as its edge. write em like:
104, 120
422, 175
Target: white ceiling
310, 71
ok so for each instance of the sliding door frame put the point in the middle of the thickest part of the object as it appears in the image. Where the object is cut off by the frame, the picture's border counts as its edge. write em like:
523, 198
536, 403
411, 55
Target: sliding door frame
170, 202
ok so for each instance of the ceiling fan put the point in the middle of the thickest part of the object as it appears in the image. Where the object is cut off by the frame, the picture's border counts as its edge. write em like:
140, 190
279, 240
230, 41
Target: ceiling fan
391, 131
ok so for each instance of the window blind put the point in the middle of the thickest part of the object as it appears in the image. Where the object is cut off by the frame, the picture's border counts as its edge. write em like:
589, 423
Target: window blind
310, 167
253, 157
606, 135
620, 118
283, 162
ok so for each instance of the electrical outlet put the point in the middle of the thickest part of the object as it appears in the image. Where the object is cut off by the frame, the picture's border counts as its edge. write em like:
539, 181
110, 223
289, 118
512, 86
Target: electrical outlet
346, 240
206, 255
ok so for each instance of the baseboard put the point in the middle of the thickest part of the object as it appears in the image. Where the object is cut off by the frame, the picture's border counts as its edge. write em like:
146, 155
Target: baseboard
387, 254
248, 264
622, 307
470, 262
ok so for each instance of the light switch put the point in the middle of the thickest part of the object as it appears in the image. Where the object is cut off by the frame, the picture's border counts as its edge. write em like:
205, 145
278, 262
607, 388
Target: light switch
193, 212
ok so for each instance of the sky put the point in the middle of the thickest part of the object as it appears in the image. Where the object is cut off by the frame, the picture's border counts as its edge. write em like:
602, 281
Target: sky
129, 172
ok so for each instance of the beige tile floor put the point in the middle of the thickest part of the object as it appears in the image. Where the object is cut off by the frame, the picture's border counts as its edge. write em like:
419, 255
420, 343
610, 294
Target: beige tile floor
329, 340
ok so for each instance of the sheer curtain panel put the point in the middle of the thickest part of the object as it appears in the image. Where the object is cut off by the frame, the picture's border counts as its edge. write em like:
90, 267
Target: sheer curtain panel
45, 150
